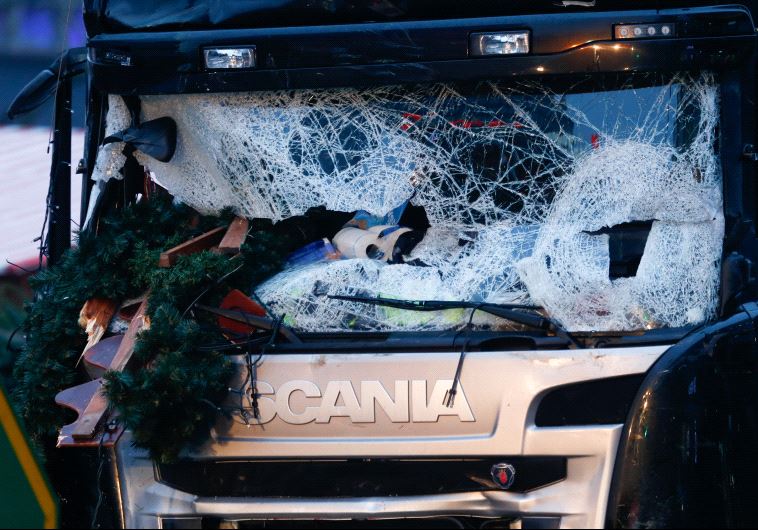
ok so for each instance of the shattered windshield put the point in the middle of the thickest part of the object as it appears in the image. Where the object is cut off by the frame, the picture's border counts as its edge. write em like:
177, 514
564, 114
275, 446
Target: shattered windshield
599, 201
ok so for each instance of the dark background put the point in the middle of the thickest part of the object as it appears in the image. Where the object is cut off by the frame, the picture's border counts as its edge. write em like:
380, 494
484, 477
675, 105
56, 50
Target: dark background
32, 34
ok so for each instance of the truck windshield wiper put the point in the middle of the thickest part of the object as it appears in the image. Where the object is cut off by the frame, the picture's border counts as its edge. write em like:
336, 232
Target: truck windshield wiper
505, 311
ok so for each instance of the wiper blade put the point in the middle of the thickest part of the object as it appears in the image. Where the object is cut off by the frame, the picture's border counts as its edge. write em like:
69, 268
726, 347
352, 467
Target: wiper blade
426, 305
254, 321
506, 311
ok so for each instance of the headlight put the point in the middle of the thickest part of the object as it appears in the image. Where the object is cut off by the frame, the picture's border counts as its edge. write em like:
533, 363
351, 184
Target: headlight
229, 58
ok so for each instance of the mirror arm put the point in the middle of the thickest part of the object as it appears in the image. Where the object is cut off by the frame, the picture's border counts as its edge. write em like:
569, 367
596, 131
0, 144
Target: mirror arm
59, 206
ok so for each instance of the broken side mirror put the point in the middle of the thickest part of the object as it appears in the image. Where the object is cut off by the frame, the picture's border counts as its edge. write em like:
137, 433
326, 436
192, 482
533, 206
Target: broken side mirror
45, 84
155, 138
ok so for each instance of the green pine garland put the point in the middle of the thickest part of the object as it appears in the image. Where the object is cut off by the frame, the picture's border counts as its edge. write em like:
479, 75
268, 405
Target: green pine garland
169, 401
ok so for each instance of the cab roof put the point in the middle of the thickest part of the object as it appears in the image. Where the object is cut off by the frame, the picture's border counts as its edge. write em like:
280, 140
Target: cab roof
124, 16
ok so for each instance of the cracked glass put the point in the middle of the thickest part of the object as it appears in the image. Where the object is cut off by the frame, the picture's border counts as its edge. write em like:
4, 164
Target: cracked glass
529, 187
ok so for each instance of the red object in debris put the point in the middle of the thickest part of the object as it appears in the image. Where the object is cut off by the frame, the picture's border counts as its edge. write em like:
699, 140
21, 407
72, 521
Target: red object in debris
238, 301
412, 118
467, 124
595, 139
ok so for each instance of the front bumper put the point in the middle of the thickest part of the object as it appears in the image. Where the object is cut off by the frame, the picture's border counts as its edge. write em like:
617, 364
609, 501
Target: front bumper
579, 501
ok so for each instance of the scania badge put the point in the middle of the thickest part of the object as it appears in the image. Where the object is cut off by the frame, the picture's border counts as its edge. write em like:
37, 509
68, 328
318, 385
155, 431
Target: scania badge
503, 475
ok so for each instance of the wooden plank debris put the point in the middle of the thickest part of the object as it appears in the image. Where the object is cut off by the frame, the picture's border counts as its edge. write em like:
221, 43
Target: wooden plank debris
115, 352
197, 244
88, 400
92, 415
129, 308
235, 236
85, 400
99, 358
126, 348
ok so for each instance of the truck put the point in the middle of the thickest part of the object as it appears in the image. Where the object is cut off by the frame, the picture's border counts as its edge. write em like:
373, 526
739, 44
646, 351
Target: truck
542, 313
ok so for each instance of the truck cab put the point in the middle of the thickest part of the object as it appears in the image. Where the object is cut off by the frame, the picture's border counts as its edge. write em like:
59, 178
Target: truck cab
562, 335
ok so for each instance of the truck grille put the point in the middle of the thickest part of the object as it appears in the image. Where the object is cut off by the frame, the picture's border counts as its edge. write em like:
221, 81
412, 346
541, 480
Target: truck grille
354, 478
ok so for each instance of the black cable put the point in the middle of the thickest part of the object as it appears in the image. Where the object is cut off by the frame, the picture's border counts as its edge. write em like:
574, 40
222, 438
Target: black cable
252, 370
42, 235
9, 344
234, 345
253, 367
449, 399
211, 286
251, 378
98, 482
16, 265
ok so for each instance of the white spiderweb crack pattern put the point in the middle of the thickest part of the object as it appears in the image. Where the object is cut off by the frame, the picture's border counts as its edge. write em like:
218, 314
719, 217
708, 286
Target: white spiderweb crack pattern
110, 158
520, 173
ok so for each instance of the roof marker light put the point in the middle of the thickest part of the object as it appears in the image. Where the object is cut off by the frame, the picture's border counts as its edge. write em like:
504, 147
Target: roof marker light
109, 56
229, 58
500, 43
643, 31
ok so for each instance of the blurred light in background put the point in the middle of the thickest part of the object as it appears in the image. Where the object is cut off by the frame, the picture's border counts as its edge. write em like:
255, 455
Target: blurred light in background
32, 34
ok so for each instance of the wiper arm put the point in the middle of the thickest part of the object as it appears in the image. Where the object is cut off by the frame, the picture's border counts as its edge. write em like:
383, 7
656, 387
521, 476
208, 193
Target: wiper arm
506, 311
252, 321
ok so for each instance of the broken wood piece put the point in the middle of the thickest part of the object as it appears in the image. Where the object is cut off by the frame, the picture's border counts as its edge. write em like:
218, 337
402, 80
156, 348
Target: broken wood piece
126, 347
93, 414
129, 308
235, 236
86, 400
78, 397
197, 244
99, 358
94, 317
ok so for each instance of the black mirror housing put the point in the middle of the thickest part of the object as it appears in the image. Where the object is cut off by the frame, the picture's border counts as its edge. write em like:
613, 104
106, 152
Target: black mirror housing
69, 64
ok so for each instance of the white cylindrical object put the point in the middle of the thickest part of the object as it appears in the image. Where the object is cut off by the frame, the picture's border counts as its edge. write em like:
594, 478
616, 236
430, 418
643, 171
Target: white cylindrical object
355, 243
352, 242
